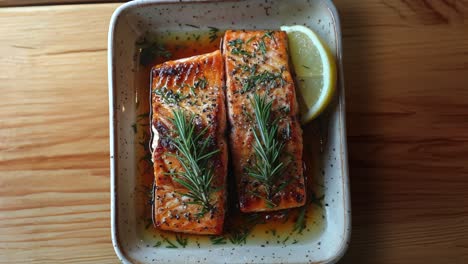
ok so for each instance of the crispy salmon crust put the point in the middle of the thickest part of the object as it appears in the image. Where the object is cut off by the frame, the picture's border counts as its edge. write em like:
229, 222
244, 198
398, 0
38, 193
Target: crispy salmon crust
194, 85
256, 62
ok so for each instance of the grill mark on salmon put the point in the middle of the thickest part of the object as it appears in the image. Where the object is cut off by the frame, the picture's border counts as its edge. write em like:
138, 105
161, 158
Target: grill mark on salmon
194, 85
256, 62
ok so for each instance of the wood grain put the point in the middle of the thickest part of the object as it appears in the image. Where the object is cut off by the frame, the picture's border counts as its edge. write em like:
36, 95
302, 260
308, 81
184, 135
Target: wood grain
406, 69
54, 144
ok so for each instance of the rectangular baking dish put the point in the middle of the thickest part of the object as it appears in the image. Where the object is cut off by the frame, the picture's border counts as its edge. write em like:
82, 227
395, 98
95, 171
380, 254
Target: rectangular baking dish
132, 21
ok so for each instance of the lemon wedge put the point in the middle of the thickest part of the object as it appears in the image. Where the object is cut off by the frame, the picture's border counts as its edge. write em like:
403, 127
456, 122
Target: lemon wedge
315, 69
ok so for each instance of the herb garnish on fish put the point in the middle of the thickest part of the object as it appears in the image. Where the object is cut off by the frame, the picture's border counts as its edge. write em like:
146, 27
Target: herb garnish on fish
194, 155
267, 148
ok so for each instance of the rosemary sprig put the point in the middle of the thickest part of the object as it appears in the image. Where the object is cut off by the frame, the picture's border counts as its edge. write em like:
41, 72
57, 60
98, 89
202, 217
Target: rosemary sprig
268, 202
193, 155
267, 148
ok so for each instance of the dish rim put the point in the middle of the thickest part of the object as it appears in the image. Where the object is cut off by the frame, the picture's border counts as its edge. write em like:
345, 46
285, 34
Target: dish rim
112, 129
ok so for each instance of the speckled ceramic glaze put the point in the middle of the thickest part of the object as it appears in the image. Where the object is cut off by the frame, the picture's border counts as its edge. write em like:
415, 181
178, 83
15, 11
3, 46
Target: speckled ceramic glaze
136, 19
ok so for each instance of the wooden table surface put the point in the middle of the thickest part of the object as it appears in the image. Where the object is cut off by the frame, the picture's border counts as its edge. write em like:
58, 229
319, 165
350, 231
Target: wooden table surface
406, 70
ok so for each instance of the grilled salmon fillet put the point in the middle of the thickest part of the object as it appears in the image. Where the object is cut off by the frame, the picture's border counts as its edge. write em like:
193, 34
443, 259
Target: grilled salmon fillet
189, 146
257, 68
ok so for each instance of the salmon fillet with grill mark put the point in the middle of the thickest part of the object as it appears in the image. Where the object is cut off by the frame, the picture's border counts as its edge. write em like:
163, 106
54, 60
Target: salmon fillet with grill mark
257, 63
192, 87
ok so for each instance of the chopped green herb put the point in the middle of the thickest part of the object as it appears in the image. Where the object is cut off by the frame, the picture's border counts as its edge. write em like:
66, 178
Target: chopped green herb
300, 223
213, 33
286, 239
250, 40
244, 67
270, 34
171, 244
239, 233
236, 42
218, 240
253, 69
239, 237
238, 51
190, 25
192, 91
237, 48
262, 46
316, 200
201, 83
183, 241
149, 51
157, 244
269, 79
168, 96
306, 67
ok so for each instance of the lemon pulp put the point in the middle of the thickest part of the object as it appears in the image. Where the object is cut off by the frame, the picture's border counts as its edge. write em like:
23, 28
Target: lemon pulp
315, 70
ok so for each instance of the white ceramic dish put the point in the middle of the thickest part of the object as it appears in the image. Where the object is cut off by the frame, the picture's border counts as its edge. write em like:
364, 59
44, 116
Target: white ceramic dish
133, 20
